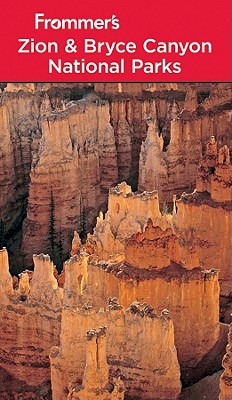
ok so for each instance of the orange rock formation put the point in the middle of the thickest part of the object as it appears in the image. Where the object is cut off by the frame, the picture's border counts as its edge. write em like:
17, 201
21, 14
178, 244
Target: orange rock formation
95, 382
169, 155
215, 173
76, 167
206, 211
30, 323
102, 138
157, 376
127, 214
161, 248
226, 378
135, 88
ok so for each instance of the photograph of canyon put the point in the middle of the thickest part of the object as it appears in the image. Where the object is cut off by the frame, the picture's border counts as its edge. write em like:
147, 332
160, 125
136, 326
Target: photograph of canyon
115, 241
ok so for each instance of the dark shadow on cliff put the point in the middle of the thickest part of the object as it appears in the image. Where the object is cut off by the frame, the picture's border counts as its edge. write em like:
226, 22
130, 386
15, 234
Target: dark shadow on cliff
210, 363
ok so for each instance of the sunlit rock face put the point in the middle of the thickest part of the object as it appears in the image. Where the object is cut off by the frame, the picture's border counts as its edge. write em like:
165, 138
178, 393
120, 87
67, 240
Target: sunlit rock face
64, 146
170, 154
126, 352
203, 221
30, 325
69, 179
226, 378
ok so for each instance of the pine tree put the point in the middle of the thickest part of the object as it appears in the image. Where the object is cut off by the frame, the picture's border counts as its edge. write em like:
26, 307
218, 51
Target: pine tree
83, 230
60, 249
1, 233
52, 223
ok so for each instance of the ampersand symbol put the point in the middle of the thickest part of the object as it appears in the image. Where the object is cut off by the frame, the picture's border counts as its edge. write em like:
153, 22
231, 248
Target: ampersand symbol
70, 46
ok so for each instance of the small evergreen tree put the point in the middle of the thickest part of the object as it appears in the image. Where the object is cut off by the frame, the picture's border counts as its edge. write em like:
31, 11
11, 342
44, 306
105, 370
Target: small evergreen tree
1, 233
60, 249
52, 222
83, 230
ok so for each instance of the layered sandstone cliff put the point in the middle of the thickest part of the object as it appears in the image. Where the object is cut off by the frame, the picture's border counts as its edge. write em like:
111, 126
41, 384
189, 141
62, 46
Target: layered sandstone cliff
150, 378
69, 179
33, 312
203, 219
114, 88
30, 326
153, 260
226, 378
142, 260
170, 154
20, 135
97, 144
127, 213
150, 270
95, 383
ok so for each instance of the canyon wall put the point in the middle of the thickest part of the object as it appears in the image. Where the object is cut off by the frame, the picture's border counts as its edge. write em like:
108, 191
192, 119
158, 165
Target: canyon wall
151, 279
30, 326
226, 378
135, 254
69, 179
30, 319
192, 298
169, 159
129, 119
203, 219
96, 140
96, 383
136, 88
194, 224
20, 135
127, 213
152, 377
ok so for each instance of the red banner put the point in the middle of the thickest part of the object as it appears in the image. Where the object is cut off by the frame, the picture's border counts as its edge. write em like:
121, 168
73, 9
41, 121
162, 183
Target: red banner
115, 41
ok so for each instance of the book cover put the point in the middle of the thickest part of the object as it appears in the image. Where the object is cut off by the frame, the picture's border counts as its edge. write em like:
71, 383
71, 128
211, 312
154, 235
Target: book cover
115, 200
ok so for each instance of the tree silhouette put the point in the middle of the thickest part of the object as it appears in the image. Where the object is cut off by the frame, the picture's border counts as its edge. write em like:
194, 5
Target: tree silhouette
83, 230
60, 248
1, 233
52, 230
